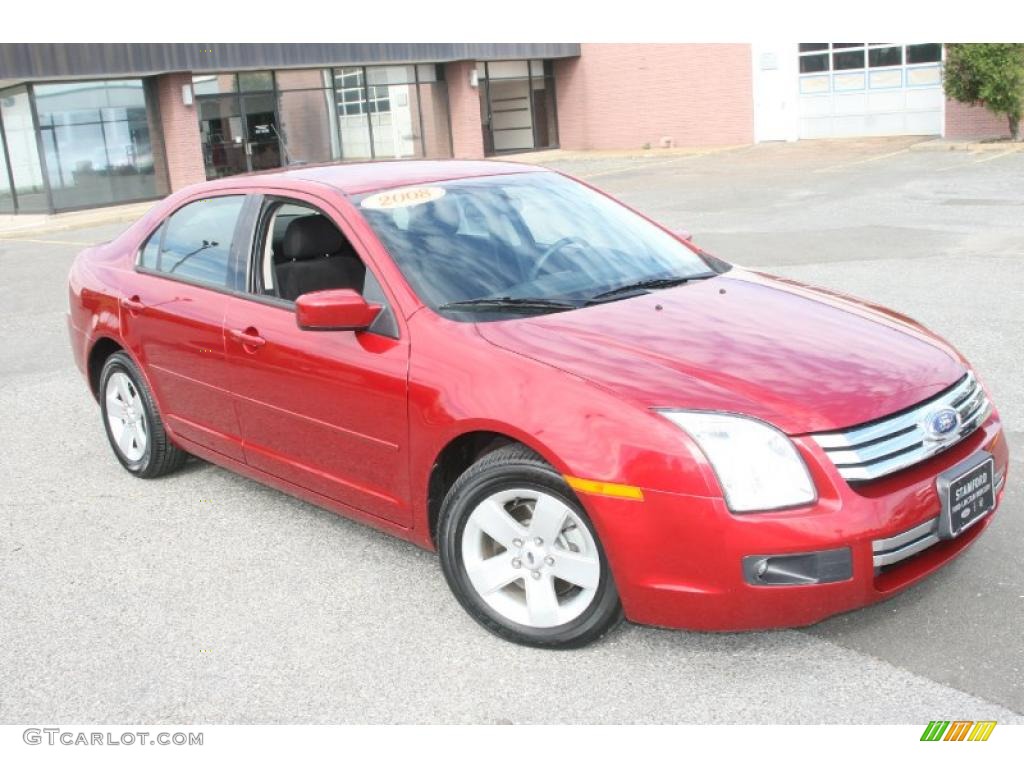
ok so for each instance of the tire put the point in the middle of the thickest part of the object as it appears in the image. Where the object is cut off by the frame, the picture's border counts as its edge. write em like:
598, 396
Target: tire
505, 575
132, 421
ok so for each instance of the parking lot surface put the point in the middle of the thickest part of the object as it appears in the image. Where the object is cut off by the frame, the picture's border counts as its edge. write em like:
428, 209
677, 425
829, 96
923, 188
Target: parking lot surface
205, 597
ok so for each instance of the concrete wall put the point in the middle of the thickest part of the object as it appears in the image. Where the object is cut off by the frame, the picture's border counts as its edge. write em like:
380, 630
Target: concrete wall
180, 125
964, 121
623, 96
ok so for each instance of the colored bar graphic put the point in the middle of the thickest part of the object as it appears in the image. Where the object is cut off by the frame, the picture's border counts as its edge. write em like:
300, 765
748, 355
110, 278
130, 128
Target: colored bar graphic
982, 730
958, 730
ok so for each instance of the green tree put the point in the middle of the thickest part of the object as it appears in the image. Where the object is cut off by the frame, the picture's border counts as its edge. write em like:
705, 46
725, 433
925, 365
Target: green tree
989, 74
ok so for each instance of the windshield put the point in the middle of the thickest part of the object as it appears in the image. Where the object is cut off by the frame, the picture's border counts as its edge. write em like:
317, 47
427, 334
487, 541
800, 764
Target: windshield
531, 242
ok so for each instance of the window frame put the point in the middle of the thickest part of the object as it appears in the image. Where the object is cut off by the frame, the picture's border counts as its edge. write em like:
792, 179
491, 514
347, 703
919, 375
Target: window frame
241, 241
266, 203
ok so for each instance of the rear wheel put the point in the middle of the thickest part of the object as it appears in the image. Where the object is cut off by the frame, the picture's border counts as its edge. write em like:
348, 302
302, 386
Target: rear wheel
133, 424
521, 555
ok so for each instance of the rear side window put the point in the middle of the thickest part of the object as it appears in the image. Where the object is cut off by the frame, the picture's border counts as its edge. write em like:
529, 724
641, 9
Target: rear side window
195, 242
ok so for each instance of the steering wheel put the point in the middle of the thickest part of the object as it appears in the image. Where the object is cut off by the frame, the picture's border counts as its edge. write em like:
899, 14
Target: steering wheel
552, 250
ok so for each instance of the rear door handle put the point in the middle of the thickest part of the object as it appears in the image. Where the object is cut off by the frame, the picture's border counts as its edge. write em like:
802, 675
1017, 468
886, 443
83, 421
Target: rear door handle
250, 337
134, 304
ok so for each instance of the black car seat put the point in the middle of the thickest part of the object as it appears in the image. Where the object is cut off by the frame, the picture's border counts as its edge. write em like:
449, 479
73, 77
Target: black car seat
315, 256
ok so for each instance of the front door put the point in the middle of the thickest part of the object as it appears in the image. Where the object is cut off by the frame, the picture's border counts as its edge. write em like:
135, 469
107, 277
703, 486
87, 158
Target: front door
325, 410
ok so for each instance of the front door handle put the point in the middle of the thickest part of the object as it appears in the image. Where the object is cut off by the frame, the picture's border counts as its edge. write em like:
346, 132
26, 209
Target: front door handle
250, 337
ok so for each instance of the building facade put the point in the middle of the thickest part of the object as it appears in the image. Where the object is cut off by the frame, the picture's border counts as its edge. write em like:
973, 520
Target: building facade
87, 125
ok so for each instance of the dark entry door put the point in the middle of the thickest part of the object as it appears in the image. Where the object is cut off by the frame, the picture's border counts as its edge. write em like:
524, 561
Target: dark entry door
263, 143
240, 133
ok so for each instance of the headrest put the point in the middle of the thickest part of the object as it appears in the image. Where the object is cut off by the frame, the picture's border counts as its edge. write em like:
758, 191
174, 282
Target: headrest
310, 236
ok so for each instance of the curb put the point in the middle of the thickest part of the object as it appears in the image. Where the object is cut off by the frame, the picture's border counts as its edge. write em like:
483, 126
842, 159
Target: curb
673, 153
60, 222
942, 145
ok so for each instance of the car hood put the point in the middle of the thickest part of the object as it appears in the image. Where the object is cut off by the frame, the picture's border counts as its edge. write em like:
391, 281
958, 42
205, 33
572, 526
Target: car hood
801, 358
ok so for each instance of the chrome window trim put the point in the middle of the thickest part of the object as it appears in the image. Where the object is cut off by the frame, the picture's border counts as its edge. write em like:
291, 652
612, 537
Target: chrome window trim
871, 451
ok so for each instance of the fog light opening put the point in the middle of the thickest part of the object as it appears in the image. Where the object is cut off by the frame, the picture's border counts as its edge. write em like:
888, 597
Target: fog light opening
824, 567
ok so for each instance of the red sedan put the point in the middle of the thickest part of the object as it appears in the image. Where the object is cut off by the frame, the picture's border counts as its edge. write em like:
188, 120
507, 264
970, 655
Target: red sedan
584, 413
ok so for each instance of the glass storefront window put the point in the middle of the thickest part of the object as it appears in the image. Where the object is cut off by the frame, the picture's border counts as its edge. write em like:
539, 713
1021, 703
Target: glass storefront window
390, 75
545, 123
309, 126
255, 81
6, 196
301, 79
96, 140
497, 70
307, 114
220, 127
353, 122
252, 120
22, 151
211, 85
394, 111
436, 140
427, 73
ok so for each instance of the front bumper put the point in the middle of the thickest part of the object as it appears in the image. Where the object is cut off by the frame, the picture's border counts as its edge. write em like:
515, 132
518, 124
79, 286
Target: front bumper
678, 560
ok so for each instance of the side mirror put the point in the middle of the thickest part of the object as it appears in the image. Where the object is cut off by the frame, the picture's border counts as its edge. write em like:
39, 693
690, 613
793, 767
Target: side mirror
340, 309
683, 234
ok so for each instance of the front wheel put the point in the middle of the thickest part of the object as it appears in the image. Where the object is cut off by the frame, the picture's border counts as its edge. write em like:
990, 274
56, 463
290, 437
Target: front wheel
521, 555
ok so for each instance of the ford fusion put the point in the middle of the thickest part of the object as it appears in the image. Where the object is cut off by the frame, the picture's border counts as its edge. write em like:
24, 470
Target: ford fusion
586, 415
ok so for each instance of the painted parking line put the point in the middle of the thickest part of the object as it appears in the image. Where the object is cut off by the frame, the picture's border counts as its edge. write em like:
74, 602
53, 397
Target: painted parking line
44, 242
659, 162
968, 161
633, 167
871, 159
996, 156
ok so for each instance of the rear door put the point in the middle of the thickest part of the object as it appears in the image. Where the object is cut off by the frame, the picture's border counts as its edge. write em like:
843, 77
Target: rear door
174, 321
326, 410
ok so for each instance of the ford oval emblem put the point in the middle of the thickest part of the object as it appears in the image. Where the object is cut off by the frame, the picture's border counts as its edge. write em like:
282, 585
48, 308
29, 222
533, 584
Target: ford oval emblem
942, 423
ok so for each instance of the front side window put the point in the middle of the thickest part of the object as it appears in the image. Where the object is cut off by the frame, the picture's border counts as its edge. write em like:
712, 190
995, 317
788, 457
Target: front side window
195, 242
520, 238
303, 251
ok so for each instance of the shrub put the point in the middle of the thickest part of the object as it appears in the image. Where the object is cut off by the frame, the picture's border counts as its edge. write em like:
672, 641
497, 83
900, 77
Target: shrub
989, 74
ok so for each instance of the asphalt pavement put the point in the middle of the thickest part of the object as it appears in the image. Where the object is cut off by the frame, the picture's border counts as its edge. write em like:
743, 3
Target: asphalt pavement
207, 598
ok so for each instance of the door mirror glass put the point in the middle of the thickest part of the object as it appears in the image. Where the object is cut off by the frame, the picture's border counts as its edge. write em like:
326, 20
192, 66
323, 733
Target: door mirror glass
340, 309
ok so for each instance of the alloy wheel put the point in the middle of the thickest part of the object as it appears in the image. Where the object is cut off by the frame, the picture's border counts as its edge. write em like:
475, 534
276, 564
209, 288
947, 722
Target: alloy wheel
531, 558
126, 416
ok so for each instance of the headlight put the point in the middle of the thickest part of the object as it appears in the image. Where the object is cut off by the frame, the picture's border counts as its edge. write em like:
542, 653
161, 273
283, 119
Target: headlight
757, 466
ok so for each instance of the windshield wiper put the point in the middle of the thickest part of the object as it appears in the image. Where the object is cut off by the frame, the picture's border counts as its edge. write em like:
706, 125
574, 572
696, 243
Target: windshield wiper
646, 285
503, 303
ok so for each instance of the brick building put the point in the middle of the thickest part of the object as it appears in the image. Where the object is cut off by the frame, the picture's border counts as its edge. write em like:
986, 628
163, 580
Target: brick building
85, 125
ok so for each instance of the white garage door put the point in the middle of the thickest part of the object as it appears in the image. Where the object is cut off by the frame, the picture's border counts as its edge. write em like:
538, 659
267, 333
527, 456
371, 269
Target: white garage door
873, 89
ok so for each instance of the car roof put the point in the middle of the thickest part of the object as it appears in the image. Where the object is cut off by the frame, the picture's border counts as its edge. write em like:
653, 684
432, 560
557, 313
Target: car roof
358, 178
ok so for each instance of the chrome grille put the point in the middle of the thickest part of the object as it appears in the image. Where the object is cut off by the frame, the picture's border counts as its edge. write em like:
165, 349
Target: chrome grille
898, 548
882, 447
